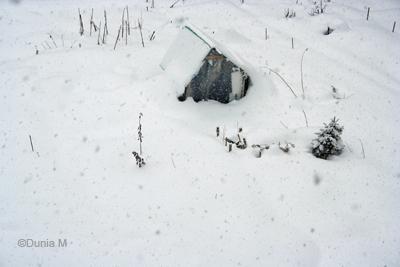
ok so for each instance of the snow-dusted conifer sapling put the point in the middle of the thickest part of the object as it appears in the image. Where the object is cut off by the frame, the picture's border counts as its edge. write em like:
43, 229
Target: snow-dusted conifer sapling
328, 141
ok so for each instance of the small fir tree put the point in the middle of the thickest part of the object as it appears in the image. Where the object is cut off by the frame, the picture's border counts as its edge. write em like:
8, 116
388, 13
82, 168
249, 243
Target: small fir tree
328, 141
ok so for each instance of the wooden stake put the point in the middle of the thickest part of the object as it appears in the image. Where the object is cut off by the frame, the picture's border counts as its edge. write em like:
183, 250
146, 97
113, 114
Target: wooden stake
368, 13
266, 34
394, 26
292, 43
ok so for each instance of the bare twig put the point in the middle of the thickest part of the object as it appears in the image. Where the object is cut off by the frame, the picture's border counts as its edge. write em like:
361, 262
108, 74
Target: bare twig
81, 29
301, 72
91, 23
47, 44
305, 117
116, 40
104, 33
126, 35
30, 139
98, 36
72, 44
140, 135
141, 35
172, 6
362, 147
123, 22
349, 147
51, 37
284, 125
173, 163
128, 26
153, 35
275, 72
105, 23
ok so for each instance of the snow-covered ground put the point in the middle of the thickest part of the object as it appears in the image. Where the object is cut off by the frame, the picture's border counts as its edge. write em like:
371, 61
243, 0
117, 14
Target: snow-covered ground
195, 204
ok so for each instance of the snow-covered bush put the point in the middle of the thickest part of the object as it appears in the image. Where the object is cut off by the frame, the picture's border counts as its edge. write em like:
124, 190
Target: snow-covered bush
285, 147
290, 13
328, 141
318, 7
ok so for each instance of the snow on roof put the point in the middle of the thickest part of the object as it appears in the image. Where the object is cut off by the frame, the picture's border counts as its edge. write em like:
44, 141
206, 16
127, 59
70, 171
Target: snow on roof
185, 56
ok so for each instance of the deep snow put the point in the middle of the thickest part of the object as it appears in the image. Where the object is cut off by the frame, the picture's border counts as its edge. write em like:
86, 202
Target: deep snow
194, 204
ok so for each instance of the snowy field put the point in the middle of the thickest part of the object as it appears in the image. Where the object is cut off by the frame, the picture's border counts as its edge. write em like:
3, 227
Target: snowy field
195, 204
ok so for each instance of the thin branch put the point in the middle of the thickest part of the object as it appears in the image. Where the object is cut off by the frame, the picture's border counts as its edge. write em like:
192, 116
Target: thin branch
153, 36
105, 22
301, 72
91, 23
104, 33
127, 22
116, 40
51, 37
122, 22
126, 35
284, 125
81, 29
141, 35
47, 44
172, 6
362, 147
275, 72
173, 163
30, 139
98, 36
305, 117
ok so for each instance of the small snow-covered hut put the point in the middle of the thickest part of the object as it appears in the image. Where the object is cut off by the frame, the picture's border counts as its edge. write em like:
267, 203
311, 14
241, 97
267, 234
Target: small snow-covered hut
204, 69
